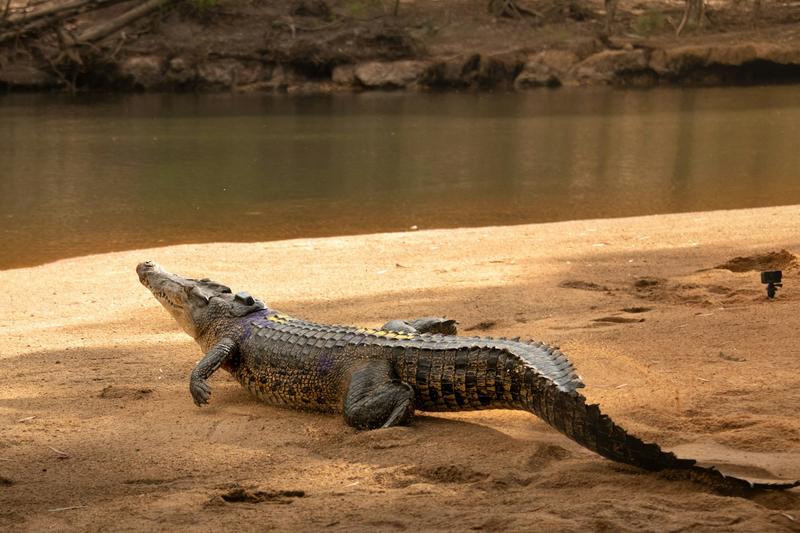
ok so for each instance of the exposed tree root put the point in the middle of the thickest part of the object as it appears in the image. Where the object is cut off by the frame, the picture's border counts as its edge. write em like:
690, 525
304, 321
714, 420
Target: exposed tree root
48, 32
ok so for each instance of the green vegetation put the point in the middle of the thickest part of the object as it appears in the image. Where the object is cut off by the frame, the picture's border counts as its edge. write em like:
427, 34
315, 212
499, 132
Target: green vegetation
360, 7
652, 21
202, 5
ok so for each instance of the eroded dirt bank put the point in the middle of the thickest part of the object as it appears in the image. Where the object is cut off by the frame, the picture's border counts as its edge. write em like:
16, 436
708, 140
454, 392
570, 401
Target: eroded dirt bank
664, 317
360, 45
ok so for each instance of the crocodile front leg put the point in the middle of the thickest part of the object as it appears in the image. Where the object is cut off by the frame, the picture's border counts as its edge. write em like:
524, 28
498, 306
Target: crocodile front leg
210, 362
376, 398
428, 324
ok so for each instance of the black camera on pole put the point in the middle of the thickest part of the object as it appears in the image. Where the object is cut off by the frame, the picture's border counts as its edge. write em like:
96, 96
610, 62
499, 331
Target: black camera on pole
772, 279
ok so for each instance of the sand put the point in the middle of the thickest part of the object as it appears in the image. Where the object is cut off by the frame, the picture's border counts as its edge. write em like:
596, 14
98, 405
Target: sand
99, 431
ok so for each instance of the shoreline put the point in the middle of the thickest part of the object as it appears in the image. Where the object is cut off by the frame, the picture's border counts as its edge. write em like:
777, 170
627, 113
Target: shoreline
626, 65
397, 232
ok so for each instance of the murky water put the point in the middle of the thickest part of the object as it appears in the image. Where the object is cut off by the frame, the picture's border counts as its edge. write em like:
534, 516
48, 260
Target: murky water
100, 173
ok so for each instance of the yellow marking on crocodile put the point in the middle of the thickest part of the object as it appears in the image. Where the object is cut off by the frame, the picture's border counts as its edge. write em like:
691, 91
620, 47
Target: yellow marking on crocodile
384, 333
279, 318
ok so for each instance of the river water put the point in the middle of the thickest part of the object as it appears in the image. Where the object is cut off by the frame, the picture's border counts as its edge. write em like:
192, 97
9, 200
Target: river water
96, 173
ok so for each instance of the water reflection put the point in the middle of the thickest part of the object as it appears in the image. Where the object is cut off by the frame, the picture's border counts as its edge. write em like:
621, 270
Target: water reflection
91, 174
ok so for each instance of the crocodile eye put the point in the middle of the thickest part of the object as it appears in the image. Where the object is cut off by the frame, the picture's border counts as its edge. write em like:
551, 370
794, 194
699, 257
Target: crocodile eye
244, 298
198, 297
214, 286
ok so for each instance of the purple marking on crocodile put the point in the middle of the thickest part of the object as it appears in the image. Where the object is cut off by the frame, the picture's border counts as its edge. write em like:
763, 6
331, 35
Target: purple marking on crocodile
325, 364
259, 318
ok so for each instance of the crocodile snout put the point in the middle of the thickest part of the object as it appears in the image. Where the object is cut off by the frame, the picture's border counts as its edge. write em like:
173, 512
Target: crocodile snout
143, 268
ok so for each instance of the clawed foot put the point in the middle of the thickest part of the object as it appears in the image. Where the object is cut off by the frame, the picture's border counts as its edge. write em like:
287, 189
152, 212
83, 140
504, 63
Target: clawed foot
201, 391
428, 324
435, 324
401, 415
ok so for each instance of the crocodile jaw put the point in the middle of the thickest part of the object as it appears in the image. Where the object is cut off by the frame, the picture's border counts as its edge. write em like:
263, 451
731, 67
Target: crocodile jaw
173, 292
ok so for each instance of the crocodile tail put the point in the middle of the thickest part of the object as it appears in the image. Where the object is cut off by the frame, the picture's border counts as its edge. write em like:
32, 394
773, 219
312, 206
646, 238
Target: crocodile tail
584, 423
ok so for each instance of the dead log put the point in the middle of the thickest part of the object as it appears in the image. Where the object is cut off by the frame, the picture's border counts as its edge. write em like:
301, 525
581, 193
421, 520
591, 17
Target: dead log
52, 8
51, 16
104, 29
510, 9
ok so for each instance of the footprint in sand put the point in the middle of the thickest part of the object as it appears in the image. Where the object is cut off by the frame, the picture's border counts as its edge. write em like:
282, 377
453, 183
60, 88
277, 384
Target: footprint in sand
617, 320
385, 525
445, 473
649, 283
135, 393
636, 309
482, 326
546, 454
238, 494
583, 286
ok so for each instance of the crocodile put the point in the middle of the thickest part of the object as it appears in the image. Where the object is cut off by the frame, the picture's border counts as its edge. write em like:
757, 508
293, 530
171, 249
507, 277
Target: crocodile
378, 378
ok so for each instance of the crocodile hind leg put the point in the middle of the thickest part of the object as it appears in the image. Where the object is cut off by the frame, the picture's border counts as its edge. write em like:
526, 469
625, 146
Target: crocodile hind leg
211, 361
428, 324
376, 398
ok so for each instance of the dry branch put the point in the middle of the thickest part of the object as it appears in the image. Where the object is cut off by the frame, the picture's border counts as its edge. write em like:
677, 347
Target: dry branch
52, 8
29, 28
52, 15
105, 29
694, 13
510, 9
70, 508
59, 452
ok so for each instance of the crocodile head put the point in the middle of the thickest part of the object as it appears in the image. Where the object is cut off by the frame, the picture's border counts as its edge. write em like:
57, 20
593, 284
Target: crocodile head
201, 306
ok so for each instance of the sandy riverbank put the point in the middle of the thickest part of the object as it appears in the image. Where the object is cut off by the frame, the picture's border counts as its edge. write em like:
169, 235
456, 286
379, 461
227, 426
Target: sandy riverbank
99, 431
